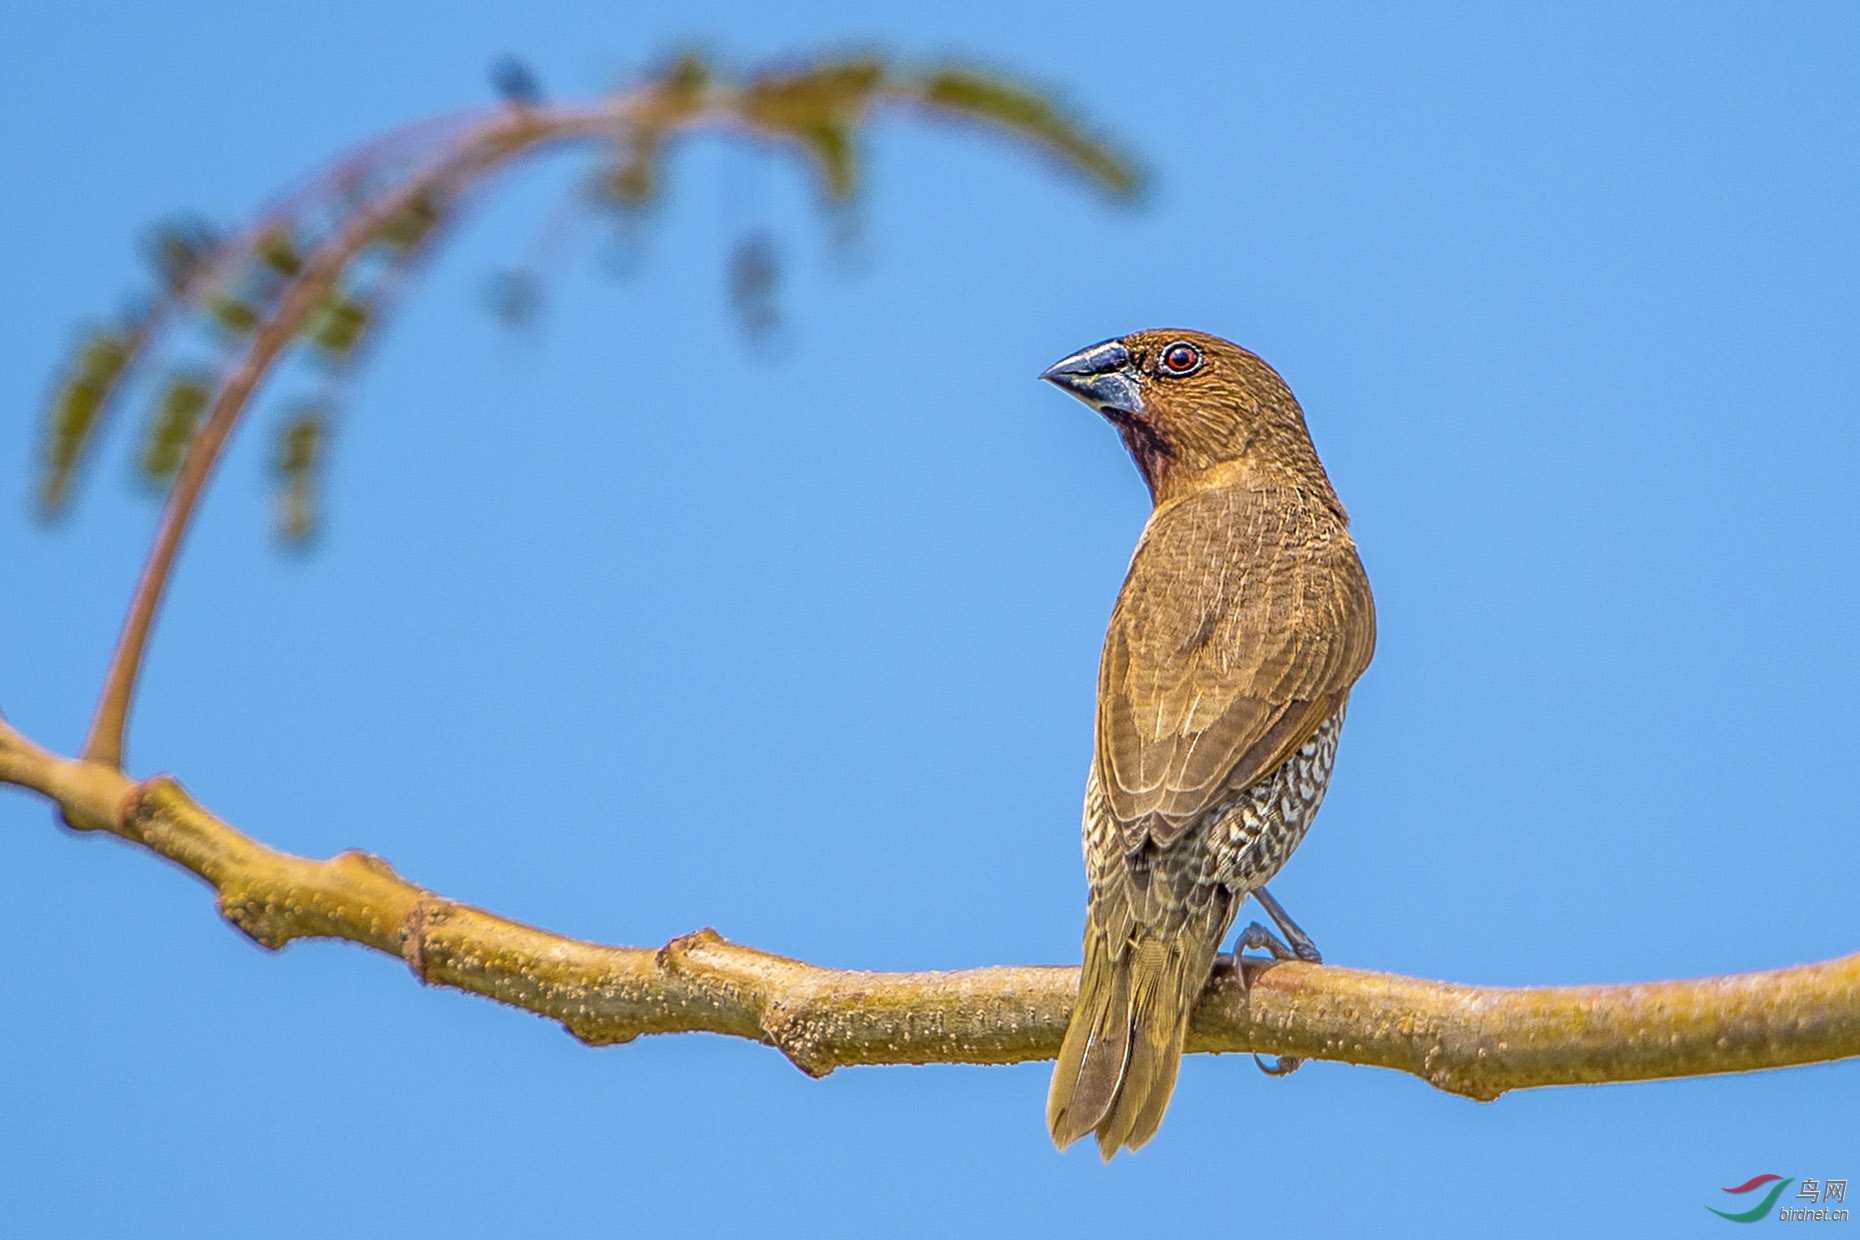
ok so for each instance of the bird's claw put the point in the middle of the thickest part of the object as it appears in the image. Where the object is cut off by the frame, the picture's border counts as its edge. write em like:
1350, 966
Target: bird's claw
1256, 935
1284, 1065
1302, 946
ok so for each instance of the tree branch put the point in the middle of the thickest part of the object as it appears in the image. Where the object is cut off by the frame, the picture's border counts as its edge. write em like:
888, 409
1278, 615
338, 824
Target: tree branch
1470, 1040
1474, 1041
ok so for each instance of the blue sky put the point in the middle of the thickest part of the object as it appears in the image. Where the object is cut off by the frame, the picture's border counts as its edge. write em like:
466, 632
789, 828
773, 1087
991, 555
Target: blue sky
624, 628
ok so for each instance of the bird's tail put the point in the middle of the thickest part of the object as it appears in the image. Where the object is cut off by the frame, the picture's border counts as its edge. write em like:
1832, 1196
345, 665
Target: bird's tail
1118, 1063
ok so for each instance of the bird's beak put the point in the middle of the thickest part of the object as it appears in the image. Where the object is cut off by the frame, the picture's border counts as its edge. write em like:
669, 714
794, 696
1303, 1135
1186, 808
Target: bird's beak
1101, 376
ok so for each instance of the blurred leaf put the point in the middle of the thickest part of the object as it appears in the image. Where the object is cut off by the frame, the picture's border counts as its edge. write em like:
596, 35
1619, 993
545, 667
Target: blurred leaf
835, 91
93, 375
177, 414
516, 298
819, 108
815, 108
277, 249
177, 249
234, 315
297, 464
337, 326
299, 442
515, 82
755, 276
686, 77
832, 148
630, 183
1033, 115
414, 225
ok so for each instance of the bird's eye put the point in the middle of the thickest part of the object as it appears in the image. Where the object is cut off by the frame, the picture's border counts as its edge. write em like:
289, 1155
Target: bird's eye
1181, 358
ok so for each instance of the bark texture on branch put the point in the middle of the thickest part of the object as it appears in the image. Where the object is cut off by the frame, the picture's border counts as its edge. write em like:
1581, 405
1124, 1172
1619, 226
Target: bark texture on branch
1470, 1040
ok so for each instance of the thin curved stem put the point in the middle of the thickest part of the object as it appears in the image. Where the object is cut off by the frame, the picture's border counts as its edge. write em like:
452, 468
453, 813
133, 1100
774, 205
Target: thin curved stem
776, 108
482, 148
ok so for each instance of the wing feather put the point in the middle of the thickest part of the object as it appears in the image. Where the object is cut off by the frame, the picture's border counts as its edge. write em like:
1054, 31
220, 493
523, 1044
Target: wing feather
1244, 621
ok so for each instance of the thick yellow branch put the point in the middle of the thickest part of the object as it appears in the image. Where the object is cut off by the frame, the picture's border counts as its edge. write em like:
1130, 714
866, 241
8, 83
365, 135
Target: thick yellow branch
1470, 1040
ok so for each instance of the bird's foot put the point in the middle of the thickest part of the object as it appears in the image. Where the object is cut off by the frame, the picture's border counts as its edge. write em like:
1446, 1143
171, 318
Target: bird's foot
1302, 946
1256, 935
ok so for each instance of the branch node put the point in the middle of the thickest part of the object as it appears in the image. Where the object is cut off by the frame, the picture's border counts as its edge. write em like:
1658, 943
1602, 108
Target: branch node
141, 812
1462, 1085
788, 1030
254, 917
356, 858
132, 803
596, 1033
675, 956
424, 913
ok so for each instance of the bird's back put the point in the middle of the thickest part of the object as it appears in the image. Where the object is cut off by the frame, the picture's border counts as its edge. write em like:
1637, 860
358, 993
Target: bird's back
1243, 622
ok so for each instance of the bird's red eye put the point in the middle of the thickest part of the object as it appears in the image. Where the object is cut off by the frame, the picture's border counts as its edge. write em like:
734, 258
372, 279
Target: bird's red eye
1181, 358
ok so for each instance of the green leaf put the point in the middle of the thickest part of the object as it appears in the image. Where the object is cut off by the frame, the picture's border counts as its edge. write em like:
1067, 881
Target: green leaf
300, 442
687, 76
277, 249
76, 408
1033, 115
414, 224
819, 108
297, 463
833, 93
834, 89
177, 415
632, 183
177, 249
338, 324
234, 282
234, 315
831, 145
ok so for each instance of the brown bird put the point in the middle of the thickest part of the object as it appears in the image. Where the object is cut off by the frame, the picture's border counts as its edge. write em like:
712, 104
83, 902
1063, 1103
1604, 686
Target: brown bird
1243, 622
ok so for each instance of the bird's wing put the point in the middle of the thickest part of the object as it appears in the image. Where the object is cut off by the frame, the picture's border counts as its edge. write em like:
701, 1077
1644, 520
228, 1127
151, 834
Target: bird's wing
1244, 621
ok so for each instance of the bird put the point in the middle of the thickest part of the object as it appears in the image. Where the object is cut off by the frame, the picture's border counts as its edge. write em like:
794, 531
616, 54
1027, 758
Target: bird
1243, 622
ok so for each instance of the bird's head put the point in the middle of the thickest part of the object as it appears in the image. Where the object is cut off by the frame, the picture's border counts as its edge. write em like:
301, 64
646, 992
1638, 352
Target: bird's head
1187, 403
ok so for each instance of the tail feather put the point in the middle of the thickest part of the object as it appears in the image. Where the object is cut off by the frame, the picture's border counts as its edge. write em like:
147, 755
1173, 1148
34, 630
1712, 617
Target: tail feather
1096, 1047
1171, 976
1118, 1064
